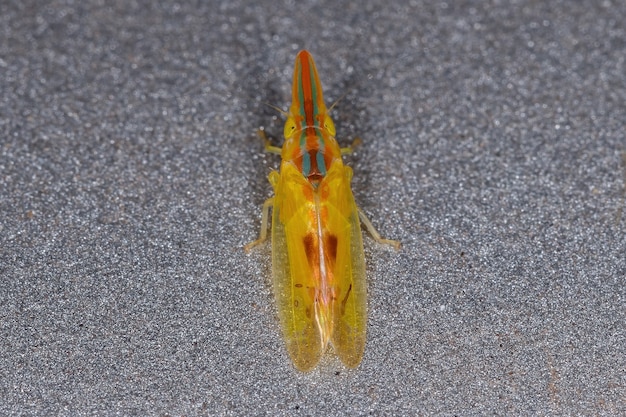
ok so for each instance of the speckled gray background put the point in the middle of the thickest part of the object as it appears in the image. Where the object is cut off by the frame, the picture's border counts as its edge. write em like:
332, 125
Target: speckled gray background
131, 176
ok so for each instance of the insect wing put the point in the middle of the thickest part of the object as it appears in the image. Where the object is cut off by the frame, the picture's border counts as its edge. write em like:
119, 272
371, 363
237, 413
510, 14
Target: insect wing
349, 310
292, 276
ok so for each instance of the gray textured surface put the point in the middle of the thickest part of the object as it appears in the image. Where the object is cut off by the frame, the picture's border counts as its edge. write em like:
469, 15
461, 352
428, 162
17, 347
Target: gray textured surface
130, 178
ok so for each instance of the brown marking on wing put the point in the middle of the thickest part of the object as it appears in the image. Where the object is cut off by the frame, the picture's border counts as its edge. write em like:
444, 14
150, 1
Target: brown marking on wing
345, 300
312, 254
331, 248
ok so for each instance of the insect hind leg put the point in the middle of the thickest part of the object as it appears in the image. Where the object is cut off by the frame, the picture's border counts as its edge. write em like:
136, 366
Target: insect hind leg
372, 231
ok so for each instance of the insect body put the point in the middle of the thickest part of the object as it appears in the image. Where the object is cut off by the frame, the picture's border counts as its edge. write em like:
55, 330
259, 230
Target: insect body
317, 251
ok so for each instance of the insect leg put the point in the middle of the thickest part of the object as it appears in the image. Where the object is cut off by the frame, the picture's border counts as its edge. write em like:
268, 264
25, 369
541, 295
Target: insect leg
349, 149
268, 146
372, 230
264, 222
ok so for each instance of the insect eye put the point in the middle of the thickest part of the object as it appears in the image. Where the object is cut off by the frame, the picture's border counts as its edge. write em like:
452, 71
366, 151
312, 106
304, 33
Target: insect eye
329, 125
290, 127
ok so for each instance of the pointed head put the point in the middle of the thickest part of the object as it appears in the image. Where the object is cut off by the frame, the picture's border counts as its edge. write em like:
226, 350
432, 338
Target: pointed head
307, 107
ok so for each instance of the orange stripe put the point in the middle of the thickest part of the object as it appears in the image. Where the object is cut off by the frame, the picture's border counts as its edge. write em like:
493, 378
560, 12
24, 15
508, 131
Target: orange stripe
307, 92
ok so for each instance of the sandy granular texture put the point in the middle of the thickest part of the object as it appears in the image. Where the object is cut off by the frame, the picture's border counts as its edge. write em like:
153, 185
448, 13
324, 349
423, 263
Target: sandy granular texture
131, 177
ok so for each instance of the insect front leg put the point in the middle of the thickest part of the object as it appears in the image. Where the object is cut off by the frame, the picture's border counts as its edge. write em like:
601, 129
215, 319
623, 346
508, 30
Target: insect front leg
349, 149
372, 231
264, 223
268, 145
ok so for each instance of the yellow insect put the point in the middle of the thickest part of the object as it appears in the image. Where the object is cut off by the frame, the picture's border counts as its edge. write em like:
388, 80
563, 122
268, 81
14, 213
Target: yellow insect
317, 252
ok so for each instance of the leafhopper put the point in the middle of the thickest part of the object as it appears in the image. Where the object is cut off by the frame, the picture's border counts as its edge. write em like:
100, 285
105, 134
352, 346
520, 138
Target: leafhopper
318, 265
